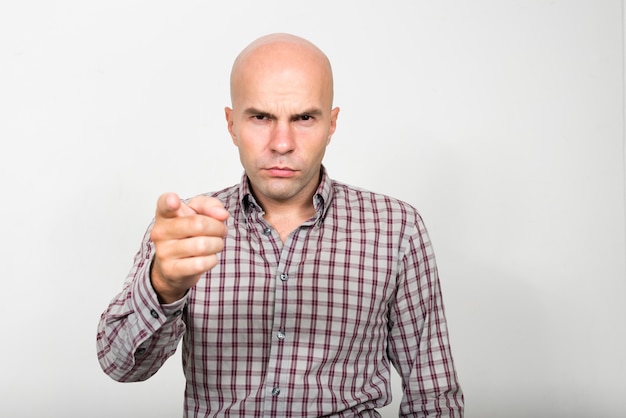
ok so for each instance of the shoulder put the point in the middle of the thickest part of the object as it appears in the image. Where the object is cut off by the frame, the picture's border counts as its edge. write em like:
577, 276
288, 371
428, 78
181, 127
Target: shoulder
392, 222
380, 206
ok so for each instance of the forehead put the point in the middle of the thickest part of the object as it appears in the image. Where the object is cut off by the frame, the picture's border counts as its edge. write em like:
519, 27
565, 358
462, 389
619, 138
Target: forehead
282, 91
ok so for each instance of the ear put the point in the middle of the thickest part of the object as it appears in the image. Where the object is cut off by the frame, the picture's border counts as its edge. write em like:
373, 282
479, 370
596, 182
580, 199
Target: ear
228, 112
333, 123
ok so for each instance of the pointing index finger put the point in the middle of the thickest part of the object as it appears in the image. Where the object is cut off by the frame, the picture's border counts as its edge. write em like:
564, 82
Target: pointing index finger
169, 205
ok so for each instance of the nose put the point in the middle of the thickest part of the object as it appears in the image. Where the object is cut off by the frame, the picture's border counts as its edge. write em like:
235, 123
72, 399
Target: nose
282, 139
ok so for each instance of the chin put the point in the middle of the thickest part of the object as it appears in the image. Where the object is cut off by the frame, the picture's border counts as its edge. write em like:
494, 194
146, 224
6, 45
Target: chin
281, 193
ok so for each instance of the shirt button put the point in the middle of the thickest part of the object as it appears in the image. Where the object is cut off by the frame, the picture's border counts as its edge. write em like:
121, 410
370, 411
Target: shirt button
280, 335
284, 277
178, 312
141, 350
275, 391
154, 314
267, 231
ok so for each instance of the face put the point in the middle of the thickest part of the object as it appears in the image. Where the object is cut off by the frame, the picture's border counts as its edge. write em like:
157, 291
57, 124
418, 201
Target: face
282, 121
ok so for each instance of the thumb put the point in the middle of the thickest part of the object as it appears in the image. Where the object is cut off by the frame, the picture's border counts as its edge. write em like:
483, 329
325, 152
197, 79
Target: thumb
209, 206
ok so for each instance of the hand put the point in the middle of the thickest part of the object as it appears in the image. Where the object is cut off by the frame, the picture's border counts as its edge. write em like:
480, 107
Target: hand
187, 238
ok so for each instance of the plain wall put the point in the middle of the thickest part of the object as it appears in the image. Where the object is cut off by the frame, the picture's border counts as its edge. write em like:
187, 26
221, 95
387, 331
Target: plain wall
502, 121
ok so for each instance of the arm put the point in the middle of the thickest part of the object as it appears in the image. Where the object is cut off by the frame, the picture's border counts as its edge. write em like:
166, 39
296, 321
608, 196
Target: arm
142, 326
136, 334
418, 338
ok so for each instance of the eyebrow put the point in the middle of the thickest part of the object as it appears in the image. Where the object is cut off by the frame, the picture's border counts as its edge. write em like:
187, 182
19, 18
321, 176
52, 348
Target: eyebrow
251, 111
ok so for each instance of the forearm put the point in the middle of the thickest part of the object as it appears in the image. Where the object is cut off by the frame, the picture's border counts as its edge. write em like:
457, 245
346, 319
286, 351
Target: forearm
431, 386
419, 340
136, 335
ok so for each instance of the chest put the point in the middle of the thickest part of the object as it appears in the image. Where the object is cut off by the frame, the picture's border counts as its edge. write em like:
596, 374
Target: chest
320, 276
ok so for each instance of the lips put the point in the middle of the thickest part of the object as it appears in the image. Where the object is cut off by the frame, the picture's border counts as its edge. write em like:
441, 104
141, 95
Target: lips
281, 172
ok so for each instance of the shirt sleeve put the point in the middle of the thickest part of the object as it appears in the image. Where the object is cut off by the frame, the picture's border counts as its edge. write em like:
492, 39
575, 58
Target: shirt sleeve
136, 334
419, 347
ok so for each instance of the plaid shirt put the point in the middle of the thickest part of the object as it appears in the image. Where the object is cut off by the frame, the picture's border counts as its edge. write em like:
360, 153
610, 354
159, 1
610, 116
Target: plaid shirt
308, 327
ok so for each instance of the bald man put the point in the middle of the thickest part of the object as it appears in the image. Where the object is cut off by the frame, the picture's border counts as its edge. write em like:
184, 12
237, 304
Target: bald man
293, 293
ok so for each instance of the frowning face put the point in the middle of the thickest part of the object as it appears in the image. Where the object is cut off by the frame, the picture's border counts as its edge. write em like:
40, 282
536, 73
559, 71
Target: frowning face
282, 121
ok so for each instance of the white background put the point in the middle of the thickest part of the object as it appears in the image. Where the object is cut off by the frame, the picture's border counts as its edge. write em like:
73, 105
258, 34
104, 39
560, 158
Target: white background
501, 120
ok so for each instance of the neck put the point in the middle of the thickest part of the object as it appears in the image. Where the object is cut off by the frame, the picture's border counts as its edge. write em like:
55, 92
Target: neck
285, 220
285, 216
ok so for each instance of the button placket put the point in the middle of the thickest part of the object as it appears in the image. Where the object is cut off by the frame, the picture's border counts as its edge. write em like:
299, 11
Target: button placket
282, 352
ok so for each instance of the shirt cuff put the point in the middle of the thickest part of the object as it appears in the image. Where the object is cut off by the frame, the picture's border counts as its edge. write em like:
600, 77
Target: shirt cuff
173, 310
147, 305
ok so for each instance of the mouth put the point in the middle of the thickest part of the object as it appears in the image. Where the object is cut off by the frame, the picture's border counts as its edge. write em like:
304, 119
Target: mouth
283, 172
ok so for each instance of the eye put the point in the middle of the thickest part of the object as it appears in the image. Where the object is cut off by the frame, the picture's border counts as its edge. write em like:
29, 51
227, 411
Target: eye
305, 117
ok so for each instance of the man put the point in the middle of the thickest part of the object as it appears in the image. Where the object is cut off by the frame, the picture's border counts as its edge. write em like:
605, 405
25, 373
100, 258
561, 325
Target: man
293, 293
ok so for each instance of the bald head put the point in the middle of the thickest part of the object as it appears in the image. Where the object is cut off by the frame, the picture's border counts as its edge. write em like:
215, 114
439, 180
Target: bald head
280, 55
282, 119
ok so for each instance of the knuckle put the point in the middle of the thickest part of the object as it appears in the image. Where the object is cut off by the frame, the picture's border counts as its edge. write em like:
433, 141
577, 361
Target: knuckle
215, 202
198, 264
210, 262
201, 245
165, 267
156, 234
197, 224
208, 245
202, 264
